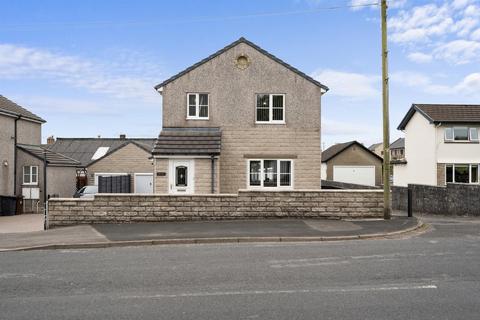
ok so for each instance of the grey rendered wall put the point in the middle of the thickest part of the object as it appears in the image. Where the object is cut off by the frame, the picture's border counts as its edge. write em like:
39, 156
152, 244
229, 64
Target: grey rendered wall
28, 133
232, 107
61, 181
7, 147
25, 159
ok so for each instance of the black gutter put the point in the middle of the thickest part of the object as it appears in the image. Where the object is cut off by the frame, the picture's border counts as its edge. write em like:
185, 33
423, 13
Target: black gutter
213, 174
15, 157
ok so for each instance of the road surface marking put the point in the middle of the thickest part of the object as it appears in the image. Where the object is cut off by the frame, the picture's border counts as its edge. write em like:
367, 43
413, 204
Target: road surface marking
297, 291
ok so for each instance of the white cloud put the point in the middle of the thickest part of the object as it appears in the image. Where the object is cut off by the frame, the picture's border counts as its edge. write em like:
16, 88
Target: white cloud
349, 85
476, 35
458, 51
468, 86
419, 57
445, 31
97, 77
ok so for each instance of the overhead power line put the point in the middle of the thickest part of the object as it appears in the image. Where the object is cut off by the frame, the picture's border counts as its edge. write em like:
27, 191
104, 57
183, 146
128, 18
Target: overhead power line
185, 21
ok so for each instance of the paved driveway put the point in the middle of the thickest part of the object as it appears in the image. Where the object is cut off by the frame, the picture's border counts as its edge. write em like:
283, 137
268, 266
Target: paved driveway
21, 223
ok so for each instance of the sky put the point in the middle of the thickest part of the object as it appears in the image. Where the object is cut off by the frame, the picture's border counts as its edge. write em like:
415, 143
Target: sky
89, 67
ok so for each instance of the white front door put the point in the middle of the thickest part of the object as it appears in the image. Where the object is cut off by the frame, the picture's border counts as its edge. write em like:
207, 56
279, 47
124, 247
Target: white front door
181, 176
143, 182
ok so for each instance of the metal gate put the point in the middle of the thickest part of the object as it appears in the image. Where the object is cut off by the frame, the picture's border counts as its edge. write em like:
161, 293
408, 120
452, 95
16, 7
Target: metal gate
115, 184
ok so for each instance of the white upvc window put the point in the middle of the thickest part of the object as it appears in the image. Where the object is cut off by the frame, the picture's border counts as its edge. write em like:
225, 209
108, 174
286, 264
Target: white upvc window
461, 173
30, 175
270, 174
270, 108
461, 134
197, 106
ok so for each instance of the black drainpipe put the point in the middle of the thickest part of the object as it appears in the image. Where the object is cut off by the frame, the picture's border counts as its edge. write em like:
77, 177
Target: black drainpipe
15, 157
213, 174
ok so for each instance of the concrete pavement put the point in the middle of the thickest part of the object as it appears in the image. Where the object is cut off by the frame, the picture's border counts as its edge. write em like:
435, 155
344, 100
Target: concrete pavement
429, 276
275, 230
21, 223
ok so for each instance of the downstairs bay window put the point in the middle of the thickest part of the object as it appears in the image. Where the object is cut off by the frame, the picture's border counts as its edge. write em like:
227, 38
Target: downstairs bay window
461, 173
270, 173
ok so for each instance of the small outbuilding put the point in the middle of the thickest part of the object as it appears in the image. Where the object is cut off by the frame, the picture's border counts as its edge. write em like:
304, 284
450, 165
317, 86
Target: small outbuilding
352, 162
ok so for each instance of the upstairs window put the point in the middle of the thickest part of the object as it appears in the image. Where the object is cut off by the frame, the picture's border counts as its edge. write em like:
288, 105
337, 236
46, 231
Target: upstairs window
270, 108
197, 108
461, 134
30, 175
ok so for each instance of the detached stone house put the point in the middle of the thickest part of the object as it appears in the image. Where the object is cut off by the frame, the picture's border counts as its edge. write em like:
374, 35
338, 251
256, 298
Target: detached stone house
351, 162
441, 145
239, 119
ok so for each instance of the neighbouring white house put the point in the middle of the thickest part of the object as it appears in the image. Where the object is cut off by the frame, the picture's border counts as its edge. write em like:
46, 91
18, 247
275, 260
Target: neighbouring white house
441, 145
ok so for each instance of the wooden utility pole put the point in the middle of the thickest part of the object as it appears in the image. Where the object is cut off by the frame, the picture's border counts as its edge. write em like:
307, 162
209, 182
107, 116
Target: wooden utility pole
386, 126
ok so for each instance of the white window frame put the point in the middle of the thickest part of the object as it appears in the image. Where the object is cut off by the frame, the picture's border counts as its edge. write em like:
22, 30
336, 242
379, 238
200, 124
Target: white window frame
262, 175
469, 133
270, 109
469, 172
31, 183
197, 106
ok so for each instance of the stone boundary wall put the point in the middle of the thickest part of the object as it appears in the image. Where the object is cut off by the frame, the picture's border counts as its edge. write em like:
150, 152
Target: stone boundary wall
330, 184
128, 208
454, 199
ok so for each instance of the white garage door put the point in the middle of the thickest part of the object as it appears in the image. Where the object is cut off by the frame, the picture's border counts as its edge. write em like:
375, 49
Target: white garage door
143, 182
355, 174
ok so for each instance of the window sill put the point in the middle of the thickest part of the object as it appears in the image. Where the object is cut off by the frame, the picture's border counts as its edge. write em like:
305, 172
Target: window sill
269, 188
461, 142
205, 119
270, 123
29, 184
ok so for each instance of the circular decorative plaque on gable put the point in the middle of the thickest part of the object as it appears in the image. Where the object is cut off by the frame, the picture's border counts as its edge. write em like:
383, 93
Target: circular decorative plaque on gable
242, 62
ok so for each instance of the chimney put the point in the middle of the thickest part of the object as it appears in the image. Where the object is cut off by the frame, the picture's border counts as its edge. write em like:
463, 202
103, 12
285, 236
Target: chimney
50, 140
123, 136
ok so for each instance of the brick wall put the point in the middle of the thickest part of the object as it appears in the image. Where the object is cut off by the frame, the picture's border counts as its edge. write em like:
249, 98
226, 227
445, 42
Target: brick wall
454, 199
124, 208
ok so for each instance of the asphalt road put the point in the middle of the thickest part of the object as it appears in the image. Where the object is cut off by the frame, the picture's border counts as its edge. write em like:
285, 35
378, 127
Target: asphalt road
435, 275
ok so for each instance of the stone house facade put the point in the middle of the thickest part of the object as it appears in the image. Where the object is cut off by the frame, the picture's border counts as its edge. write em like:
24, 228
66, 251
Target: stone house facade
239, 119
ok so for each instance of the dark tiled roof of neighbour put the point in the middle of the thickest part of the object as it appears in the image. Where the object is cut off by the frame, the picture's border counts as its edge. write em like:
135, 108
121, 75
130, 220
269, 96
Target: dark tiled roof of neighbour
334, 150
188, 141
397, 144
444, 113
53, 158
233, 44
83, 149
12, 108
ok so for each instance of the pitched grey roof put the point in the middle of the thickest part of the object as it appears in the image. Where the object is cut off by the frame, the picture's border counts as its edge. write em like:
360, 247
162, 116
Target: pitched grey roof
374, 146
397, 144
444, 113
82, 149
188, 141
338, 148
53, 158
233, 44
14, 109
